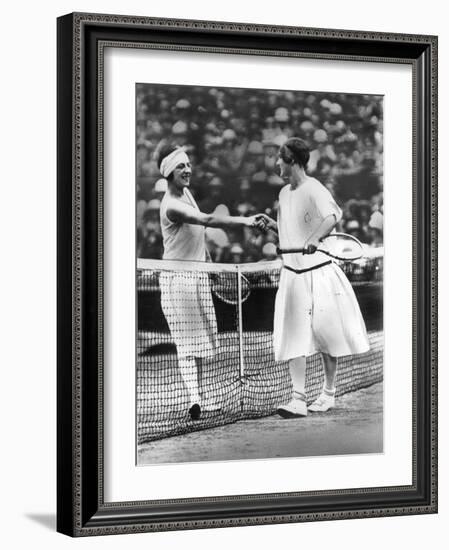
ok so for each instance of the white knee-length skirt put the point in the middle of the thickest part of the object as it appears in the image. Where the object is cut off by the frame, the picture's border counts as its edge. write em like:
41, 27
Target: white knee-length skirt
187, 304
317, 311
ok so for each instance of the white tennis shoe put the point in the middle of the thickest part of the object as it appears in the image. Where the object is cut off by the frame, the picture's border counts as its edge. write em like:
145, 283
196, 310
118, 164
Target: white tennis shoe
323, 403
295, 408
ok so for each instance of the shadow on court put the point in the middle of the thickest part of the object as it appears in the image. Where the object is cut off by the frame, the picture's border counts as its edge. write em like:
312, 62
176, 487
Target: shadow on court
355, 426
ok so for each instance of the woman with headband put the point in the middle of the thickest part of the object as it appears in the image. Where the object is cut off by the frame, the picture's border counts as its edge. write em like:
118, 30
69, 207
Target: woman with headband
186, 300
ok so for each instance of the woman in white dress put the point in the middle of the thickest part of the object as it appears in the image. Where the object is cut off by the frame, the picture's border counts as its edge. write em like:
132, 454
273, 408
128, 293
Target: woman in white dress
316, 309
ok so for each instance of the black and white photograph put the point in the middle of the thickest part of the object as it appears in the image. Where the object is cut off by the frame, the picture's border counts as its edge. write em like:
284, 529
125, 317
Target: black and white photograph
259, 273
232, 347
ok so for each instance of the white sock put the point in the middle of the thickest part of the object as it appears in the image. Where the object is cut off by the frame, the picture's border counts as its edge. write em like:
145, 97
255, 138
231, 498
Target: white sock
189, 373
297, 368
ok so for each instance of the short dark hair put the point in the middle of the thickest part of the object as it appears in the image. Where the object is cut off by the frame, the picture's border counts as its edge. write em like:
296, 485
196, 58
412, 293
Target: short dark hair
295, 150
164, 152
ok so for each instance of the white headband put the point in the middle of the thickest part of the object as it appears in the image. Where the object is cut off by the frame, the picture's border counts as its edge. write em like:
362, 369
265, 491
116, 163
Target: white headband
172, 160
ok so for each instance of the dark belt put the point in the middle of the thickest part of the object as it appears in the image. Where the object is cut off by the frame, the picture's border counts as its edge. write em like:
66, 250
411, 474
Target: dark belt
299, 271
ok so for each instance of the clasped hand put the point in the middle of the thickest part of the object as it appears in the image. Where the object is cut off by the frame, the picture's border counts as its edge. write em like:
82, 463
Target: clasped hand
260, 221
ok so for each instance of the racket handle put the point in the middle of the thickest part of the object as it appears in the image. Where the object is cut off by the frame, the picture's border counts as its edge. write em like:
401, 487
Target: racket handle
289, 250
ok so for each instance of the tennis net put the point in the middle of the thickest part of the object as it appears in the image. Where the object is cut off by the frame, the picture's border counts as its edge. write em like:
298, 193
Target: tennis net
224, 313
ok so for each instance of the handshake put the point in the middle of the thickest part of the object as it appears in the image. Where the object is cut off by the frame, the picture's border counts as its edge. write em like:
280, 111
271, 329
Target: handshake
262, 222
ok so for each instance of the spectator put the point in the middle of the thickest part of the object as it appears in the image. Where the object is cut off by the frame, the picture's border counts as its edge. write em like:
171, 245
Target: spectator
214, 196
236, 254
376, 228
160, 187
353, 228
217, 243
281, 126
151, 241
269, 252
236, 133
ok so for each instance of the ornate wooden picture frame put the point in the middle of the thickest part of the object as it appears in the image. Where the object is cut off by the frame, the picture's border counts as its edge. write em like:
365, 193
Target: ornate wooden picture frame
82, 509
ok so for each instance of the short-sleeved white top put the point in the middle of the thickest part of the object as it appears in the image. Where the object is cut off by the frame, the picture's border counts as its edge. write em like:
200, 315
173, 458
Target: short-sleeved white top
301, 211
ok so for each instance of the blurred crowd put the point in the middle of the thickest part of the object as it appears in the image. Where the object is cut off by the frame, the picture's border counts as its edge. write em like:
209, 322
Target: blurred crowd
233, 137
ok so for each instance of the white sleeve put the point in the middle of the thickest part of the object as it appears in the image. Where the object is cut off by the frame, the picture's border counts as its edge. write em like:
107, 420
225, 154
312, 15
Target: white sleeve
325, 203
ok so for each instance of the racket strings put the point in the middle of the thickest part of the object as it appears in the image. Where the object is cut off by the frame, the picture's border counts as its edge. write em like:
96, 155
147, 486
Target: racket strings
340, 246
227, 287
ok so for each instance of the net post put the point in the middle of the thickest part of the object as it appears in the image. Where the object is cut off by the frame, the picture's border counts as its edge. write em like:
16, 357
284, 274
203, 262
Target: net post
240, 322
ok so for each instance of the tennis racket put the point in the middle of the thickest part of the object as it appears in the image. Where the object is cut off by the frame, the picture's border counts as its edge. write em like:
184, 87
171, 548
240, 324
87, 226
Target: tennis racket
225, 286
340, 246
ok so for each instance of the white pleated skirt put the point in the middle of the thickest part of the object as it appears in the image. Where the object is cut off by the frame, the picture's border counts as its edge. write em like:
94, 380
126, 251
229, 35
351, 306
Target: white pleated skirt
317, 311
187, 304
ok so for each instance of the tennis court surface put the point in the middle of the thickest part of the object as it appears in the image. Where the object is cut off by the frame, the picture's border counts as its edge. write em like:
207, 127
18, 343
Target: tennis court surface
355, 426
242, 380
